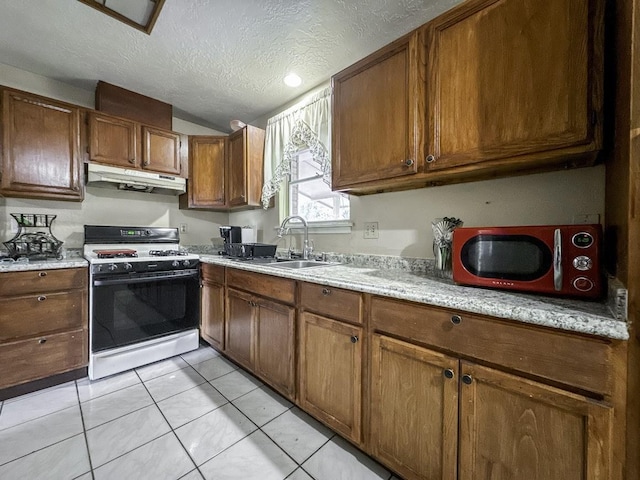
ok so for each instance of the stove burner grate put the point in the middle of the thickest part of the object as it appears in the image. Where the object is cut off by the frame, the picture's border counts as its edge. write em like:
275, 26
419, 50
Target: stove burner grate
167, 253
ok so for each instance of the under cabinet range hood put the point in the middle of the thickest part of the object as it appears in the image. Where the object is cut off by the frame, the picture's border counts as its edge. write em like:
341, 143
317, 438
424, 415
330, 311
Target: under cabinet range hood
105, 176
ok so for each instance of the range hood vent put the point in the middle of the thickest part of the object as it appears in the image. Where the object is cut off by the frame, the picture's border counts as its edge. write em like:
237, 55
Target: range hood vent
105, 176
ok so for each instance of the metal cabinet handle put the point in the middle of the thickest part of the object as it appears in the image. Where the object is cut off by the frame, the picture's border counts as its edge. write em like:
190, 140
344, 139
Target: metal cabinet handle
42, 274
408, 162
132, 161
42, 340
430, 159
448, 373
146, 163
467, 379
456, 319
354, 339
326, 291
42, 298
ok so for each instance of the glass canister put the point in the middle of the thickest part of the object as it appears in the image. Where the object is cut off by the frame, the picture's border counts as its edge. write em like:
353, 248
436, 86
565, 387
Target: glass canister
442, 242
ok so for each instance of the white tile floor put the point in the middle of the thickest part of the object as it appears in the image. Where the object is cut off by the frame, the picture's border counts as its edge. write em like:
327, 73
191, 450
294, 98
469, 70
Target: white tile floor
191, 417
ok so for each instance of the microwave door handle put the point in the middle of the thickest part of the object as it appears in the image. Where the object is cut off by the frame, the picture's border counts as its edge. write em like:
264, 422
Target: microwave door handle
557, 260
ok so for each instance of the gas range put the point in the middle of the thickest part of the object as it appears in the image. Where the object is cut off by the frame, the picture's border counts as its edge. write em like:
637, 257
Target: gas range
117, 250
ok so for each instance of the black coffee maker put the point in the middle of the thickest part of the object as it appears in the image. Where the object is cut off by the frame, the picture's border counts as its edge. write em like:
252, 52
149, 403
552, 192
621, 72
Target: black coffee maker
230, 234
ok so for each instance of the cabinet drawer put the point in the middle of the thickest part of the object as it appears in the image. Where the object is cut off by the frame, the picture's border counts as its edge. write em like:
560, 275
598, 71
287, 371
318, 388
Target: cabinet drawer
333, 302
212, 273
39, 281
582, 362
38, 314
282, 289
41, 357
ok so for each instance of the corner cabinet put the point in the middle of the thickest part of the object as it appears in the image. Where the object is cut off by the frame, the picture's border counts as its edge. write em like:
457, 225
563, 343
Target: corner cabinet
225, 173
515, 83
124, 143
40, 148
378, 114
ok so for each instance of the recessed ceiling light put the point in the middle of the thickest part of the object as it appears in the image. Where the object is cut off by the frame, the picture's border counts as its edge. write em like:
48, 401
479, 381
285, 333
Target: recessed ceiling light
293, 80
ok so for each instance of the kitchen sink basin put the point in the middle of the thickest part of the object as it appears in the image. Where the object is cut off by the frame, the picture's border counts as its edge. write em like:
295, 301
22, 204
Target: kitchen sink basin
296, 264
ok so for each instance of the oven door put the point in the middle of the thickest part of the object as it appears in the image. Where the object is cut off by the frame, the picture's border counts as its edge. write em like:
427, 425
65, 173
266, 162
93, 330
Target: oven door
127, 309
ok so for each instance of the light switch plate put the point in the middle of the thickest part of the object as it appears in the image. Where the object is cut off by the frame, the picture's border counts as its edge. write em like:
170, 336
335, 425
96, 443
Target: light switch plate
371, 230
586, 218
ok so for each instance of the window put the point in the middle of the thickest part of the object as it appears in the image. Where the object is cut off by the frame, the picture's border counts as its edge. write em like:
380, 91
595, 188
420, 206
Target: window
310, 196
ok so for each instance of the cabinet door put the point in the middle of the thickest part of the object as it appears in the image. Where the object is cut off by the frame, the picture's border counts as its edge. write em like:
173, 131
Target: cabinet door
206, 183
414, 409
512, 428
275, 343
378, 114
40, 152
112, 140
212, 323
160, 150
237, 168
330, 373
240, 327
514, 77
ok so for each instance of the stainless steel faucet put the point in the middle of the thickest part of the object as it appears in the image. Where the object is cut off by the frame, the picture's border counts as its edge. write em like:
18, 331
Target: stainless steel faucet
307, 248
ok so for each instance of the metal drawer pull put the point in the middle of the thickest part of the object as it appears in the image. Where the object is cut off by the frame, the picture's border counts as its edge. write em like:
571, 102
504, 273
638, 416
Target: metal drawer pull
448, 373
408, 162
430, 159
456, 319
42, 340
42, 274
354, 338
326, 291
467, 379
42, 298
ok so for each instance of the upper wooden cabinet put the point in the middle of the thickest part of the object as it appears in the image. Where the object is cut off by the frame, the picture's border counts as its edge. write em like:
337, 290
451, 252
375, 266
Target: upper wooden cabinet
514, 83
225, 172
490, 88
124, 143
378, 114
40, 148
206, 184
245, 167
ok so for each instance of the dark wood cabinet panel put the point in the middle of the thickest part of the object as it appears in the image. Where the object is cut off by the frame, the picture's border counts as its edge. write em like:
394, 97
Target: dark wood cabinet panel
206, 183
40, 148
42, 281
161, 150
212, 314
333, 302
240, 328
245, 167
330, 373
112, 140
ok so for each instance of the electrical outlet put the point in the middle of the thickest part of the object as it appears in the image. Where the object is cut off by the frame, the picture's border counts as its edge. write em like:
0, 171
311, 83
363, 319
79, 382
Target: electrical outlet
371, 230
184, 228
586, 218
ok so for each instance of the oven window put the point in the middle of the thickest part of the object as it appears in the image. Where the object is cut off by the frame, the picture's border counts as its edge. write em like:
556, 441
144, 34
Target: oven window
507, 257
127, 313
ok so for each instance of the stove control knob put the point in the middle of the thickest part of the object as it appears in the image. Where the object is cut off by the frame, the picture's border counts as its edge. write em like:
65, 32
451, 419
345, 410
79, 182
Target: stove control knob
113, 267
127, 266
186, 263
175, 263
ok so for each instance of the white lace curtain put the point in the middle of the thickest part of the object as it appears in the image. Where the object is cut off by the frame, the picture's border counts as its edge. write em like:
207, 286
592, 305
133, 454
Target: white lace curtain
306, 125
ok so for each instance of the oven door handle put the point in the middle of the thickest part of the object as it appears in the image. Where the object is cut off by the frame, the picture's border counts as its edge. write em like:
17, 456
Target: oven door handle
154, 278
557, 260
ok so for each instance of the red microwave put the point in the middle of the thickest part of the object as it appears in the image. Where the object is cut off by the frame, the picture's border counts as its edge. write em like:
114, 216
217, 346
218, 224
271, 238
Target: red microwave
548, 259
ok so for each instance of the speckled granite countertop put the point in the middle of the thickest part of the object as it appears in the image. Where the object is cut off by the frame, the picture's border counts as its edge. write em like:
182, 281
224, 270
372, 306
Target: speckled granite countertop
71, 262
572, 315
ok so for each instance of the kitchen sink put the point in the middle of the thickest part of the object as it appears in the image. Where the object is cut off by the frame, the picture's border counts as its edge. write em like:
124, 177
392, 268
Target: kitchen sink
296, 264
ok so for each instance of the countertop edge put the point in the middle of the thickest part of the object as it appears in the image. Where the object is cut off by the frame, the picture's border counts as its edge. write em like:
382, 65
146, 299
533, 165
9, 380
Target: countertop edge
498, 304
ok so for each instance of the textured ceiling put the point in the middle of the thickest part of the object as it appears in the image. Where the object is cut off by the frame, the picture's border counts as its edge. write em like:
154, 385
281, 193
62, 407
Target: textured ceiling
215, 60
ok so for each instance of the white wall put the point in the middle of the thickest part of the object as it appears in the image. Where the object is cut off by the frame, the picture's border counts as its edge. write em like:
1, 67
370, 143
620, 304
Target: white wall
104, 206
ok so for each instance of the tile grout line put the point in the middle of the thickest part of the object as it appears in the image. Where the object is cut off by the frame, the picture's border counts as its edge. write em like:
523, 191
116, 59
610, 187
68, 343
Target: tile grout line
84, 431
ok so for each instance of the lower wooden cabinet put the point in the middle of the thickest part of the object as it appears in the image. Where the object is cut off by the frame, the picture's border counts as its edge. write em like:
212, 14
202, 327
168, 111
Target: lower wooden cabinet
260, 335
212, 305
43, 324
414, 409
435, 417
511, 427
330, 371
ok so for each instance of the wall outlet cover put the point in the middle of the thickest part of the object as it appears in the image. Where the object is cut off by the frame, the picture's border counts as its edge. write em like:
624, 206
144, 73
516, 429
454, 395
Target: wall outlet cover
586, 218
371, 230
